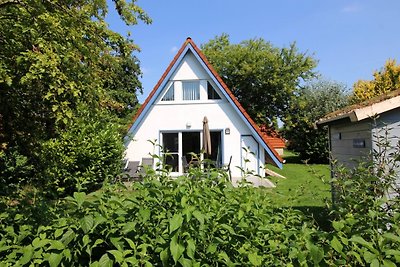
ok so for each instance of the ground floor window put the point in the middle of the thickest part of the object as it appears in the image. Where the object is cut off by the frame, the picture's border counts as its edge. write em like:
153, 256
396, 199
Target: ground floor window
176, 145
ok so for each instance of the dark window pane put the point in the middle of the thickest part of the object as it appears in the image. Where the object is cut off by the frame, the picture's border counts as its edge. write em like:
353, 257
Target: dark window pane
170, 94
212, 94
170, 142
171, 160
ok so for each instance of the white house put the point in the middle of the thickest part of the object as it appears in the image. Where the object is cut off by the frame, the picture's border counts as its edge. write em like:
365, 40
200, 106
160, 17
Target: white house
172, 115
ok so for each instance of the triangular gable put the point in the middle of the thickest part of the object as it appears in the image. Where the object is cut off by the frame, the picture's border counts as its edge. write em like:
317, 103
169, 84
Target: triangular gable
157, 90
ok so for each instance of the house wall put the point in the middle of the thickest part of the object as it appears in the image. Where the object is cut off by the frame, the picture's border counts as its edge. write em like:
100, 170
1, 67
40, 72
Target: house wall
387, 129
342, 137
188, 116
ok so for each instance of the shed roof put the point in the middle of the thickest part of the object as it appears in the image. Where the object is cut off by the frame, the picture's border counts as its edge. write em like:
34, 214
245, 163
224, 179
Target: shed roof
190, 45
364, 110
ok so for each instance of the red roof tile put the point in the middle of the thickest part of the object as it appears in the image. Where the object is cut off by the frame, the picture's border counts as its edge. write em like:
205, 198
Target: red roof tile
273, 137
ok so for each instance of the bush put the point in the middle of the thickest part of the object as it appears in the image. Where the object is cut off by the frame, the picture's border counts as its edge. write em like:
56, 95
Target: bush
82, 157
201, 220
15, 168
188, 221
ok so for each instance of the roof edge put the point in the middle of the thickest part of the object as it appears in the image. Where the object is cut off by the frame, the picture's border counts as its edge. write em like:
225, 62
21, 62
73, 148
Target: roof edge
359, 113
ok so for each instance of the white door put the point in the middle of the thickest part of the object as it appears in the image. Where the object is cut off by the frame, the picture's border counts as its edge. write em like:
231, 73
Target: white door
249, 155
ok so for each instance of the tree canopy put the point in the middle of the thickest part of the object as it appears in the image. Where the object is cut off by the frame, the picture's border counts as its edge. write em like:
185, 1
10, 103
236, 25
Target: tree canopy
385, 80
59, 60
263, 78
318, 98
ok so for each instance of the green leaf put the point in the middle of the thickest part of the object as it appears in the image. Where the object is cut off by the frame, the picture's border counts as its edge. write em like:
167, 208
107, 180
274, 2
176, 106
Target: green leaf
145, 214
116, 241
336, 245
338, 225
55, 244
86, 223
199, 216
392, 252
363, 242
392, 237
228, 228
175, 222
55, 259
176, 248
105, 261
97, 242
255, 259
369, 257
389, 263
118, 255
164, 255
79, 198
58, 233
185, 262
317, 254
375, 263
68, 237
212, 248
131, 244
190, 248
27, 253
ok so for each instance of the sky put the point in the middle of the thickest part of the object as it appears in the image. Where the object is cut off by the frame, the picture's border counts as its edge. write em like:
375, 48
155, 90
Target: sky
350, 39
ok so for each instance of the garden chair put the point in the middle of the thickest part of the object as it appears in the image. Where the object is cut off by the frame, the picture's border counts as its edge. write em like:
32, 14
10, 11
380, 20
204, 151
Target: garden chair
147, 163
132, 169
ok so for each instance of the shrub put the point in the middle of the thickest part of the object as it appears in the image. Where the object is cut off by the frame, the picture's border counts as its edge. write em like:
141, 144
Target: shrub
190, 221
82, 157
201, 220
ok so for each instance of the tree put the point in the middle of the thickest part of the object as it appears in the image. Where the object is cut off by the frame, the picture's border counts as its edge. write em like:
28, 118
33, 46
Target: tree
59, 59
385, 80
263, 78
318, 98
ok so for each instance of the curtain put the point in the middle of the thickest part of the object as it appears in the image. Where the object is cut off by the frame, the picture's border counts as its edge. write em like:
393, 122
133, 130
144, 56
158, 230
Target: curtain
191, 90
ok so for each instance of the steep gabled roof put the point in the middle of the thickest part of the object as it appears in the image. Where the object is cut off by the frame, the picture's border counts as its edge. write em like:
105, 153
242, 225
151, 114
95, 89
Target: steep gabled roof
190, 45
364, 110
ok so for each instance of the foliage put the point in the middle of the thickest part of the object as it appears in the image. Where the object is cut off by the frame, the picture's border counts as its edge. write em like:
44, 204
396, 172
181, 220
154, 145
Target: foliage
55, 57
317, 99
188, 222
385, 80
367, 208
82, 157
195, 220
262, 77
14, 169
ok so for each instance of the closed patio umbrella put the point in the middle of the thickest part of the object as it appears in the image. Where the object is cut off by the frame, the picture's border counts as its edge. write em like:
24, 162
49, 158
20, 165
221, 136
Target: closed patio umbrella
206, 137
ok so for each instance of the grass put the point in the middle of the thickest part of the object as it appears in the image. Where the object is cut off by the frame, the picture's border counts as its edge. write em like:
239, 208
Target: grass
306, 187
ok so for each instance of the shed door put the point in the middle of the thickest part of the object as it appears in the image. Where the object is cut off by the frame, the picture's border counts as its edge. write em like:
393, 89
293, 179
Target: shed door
250, 154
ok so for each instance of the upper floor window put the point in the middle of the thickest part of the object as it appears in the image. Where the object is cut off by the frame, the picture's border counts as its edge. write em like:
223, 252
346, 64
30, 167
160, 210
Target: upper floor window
191, 90
170, 94
212, 94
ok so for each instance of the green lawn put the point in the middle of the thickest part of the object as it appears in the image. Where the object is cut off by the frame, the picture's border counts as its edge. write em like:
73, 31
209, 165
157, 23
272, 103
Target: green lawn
306, 185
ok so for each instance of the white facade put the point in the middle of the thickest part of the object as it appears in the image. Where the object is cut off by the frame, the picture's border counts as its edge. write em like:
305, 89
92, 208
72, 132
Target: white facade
171, 121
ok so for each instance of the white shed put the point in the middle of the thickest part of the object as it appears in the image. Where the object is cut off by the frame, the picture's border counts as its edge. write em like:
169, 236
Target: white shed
173, 114
355, 131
